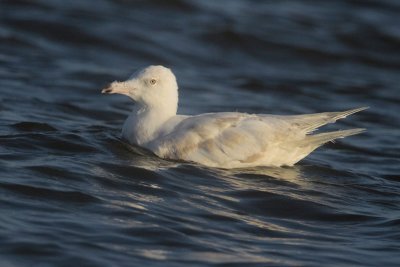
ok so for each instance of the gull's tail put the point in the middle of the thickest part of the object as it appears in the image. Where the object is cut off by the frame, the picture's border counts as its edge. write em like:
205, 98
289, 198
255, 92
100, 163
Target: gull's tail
316, 140
308, 123
311, 122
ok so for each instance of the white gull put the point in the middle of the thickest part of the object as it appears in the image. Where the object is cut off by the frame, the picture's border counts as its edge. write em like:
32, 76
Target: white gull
226, 139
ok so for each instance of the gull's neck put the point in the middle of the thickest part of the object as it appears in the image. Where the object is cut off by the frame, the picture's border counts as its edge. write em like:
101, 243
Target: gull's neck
145, 122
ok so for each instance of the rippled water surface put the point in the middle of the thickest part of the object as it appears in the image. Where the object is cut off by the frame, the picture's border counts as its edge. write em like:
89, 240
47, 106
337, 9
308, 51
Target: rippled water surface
72, 193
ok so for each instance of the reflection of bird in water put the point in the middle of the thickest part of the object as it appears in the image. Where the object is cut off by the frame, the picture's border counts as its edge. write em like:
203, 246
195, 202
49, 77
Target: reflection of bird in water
226, 139
293, 175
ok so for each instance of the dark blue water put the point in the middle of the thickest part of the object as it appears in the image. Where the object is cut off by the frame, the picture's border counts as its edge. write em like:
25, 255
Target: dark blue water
72, 193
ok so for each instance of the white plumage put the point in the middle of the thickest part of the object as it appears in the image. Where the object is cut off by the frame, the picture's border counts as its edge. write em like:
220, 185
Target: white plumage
227, 139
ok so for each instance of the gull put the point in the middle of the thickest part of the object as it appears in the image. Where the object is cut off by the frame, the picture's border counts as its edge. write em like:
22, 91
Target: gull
223, 140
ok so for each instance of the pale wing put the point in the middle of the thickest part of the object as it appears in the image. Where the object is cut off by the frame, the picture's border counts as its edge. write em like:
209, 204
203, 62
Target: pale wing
218, 139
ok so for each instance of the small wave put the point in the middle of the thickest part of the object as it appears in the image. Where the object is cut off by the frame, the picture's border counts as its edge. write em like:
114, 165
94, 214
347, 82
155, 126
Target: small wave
40, 193
33, 127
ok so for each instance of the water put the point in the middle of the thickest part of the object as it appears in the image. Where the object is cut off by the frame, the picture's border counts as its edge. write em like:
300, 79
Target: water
73, 194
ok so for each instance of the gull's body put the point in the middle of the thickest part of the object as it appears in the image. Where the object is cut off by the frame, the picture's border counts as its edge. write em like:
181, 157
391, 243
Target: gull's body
227, 139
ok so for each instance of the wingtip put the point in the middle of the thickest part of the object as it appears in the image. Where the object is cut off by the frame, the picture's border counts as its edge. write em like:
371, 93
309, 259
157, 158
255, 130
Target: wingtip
350, 132
358, 109
322, 138
358, 130
349, 112
364, 108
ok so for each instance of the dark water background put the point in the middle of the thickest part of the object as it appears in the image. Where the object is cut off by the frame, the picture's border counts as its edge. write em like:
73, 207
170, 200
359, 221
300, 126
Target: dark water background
73, 194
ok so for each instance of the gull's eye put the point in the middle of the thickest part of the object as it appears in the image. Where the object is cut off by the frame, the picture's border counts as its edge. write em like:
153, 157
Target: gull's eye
153, 81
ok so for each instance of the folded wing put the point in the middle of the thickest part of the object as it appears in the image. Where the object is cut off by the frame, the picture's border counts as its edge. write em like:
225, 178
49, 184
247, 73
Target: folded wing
228, 139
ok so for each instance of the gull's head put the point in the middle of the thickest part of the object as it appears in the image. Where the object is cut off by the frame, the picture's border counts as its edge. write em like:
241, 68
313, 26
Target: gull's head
151, 86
